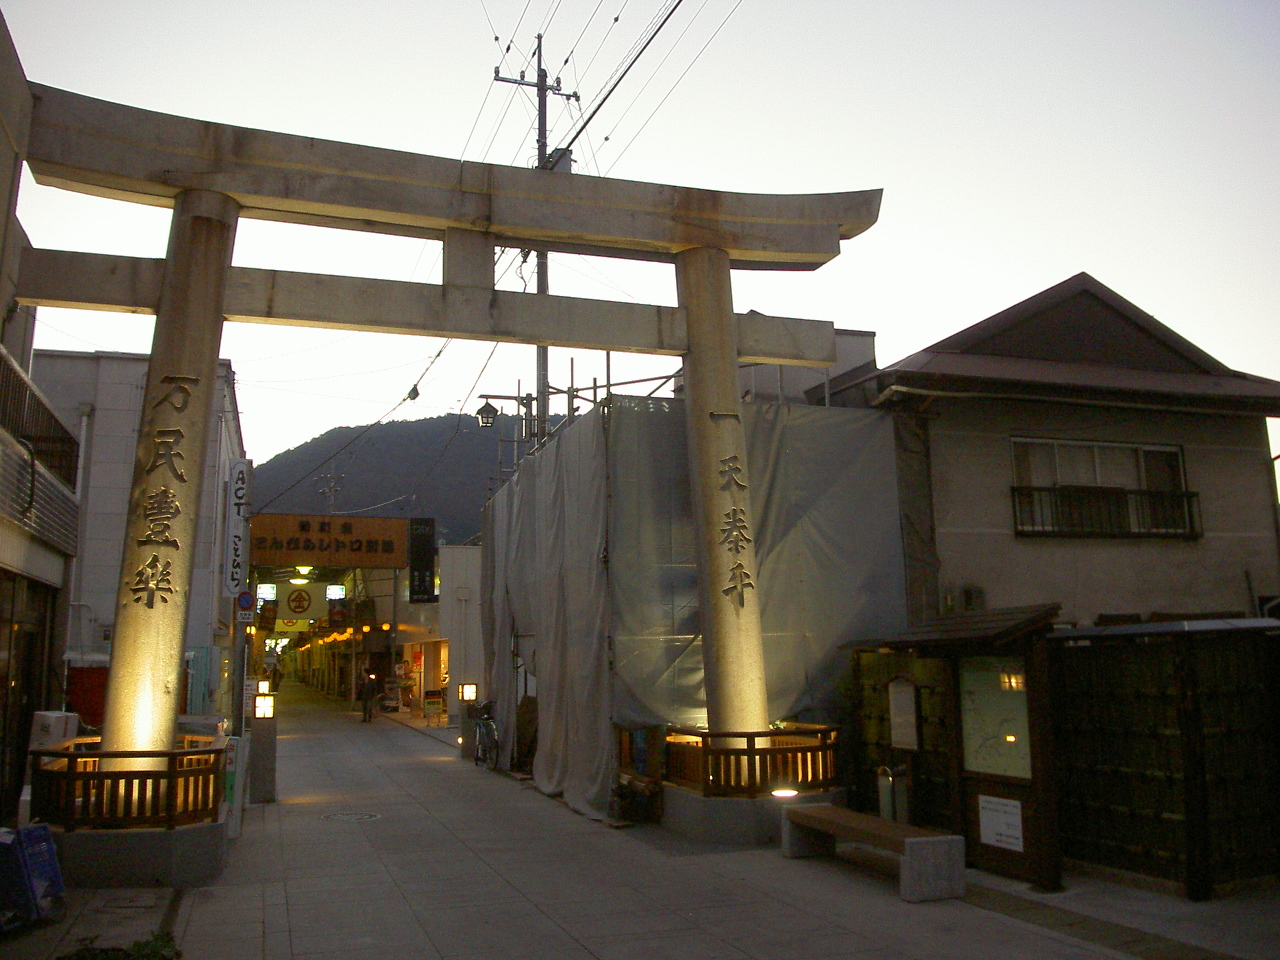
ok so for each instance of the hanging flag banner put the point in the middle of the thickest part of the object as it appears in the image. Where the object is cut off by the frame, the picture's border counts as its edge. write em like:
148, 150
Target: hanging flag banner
235, 562
422, 560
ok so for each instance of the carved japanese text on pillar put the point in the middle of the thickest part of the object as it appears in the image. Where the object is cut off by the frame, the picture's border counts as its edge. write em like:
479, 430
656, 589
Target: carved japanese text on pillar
735, 531
153, 579
160, 508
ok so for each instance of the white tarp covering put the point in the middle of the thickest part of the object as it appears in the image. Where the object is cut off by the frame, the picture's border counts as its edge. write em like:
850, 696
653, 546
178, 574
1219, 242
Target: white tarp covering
590, 558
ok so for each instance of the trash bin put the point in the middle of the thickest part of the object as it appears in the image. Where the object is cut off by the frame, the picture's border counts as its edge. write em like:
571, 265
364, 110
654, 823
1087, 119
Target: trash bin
892, 783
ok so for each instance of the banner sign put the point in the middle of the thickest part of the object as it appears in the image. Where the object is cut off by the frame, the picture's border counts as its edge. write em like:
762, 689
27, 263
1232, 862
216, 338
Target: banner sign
422, 560
235, 562
287, 540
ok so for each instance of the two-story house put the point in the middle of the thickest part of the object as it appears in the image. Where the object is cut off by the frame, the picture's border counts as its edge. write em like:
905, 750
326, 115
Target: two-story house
1073, 449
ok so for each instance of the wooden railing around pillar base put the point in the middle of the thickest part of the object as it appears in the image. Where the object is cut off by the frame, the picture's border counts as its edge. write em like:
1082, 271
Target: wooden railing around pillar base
68, 788
798, 756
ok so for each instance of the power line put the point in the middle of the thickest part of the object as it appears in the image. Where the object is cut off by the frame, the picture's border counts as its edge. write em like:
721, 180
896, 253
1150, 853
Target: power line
675, 5
673, 87
656, 70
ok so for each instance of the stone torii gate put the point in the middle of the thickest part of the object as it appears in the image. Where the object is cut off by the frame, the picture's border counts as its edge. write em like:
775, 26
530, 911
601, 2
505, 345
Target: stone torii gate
213, 174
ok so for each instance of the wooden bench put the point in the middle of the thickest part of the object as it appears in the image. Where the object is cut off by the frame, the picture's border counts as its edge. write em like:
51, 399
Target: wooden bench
932, 862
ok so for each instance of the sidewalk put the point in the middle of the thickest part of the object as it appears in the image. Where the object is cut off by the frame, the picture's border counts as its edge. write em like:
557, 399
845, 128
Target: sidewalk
384, 845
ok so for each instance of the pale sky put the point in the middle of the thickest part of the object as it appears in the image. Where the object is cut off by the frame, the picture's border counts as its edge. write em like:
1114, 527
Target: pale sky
1018, 143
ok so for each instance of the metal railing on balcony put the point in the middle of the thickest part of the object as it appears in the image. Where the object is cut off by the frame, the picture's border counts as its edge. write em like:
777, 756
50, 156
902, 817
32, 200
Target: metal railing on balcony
800, 756
25, 417
1071, 511
69, 789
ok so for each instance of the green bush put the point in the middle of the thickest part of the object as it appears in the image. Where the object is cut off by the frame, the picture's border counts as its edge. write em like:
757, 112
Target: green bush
158, 946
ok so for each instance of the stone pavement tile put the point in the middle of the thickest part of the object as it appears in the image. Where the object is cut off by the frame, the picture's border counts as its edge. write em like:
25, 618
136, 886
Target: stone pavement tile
370, 893
607, 921
449, 892
217, 948
680, 946
369, 941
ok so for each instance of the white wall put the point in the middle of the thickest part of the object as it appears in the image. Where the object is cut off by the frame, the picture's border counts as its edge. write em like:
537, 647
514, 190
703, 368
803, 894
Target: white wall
1227, 462
460, 619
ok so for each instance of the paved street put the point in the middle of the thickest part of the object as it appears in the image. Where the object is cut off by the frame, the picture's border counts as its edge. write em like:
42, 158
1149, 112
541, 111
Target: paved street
456, 862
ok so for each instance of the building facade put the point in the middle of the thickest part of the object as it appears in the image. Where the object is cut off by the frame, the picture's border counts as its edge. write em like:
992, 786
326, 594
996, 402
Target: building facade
1074, 450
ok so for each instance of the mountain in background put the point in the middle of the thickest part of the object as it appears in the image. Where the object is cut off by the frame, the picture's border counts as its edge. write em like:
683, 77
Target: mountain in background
441, 467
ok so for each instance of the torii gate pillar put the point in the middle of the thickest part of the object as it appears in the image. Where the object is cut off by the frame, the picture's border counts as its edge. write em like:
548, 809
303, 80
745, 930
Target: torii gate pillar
168, 469
732, 646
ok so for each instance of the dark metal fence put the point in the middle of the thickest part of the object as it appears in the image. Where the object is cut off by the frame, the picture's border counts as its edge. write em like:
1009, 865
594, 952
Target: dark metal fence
1105, 512
26, 418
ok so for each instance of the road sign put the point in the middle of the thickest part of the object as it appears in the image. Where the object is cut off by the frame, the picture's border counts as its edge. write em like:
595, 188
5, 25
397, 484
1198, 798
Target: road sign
244, 600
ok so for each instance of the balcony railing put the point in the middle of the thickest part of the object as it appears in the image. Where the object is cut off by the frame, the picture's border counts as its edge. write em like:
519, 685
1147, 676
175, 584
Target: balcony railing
799, 756
68, 788
25, 417
1105, 512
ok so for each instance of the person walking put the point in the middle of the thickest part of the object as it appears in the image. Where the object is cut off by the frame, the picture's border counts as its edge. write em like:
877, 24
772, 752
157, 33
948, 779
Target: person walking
368, 694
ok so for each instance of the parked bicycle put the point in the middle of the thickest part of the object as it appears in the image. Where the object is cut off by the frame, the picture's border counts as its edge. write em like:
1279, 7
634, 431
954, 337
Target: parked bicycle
487, 736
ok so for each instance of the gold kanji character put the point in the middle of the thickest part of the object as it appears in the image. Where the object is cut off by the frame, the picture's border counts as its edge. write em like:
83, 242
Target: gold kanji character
160, 509
739, 583
167, 453
735, 531
152, 579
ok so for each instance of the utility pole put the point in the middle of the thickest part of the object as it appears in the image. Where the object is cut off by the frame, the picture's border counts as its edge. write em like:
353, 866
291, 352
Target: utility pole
333, 482
561, 160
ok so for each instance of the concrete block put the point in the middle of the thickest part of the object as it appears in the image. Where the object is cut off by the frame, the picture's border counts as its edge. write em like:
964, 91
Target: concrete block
800, 841
188, 856
932, 869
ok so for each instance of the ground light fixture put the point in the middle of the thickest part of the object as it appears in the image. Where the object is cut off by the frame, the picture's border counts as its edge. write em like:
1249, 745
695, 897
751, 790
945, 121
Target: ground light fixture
264, 686
264, 706
487, 414
466, 692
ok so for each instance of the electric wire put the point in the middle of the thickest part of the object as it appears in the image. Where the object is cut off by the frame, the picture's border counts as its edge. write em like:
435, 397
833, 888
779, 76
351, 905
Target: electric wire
675, 5
585, 27
673, 88
457, 427
654, 75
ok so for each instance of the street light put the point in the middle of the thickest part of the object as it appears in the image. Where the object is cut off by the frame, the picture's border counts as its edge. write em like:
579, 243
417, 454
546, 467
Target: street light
487, 414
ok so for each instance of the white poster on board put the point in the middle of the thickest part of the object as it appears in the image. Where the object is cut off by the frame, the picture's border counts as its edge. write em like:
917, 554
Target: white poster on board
1000, 822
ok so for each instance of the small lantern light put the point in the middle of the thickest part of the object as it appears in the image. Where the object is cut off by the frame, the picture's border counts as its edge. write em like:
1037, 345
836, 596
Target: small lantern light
386, 626
466, 692
264, 706
264, 686
487, 414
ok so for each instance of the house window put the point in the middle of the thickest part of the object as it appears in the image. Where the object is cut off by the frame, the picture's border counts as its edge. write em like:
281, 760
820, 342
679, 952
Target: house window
1078, 489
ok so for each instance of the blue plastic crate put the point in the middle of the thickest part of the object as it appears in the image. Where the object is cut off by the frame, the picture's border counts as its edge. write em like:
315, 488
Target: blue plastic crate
40, 857
17, 902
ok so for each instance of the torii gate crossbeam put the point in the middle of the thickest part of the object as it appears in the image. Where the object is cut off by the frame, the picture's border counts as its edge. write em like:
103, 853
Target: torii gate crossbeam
213, 174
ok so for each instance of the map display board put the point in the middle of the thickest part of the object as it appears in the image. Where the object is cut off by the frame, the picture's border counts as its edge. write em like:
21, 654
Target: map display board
993, 716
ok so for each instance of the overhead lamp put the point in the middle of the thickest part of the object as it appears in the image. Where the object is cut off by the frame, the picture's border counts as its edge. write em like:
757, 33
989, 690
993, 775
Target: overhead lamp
487, 414
298, 581
304, 570
784, 793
